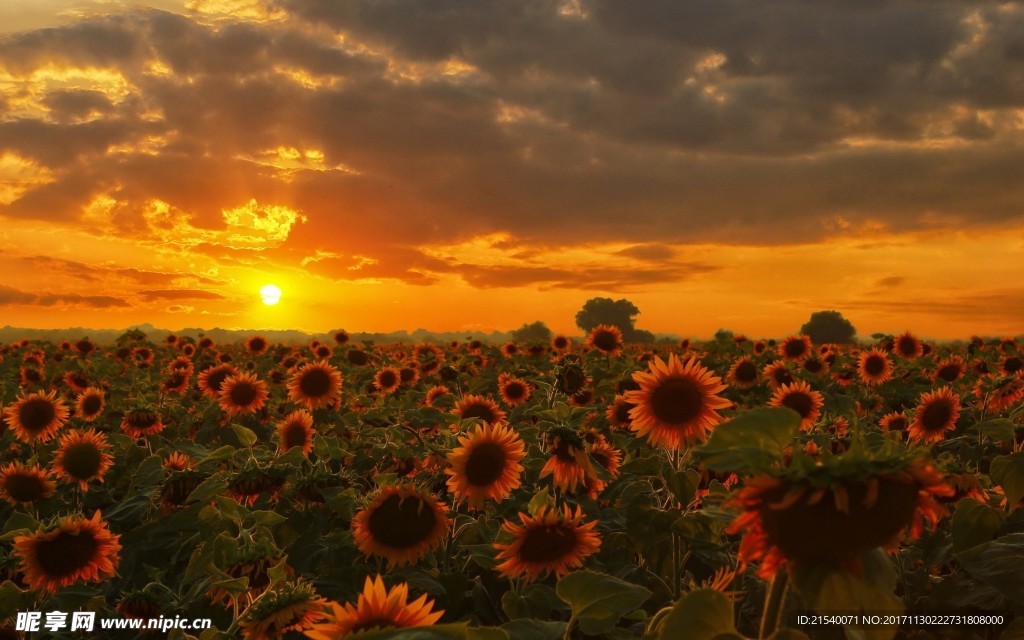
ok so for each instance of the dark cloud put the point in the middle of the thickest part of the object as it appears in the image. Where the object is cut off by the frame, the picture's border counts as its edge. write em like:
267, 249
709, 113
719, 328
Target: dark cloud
104, 273
597, 278
180, 294
10, 296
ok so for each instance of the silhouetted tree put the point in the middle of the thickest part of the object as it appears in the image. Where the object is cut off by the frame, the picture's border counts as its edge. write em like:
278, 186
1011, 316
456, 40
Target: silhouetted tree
532, 332
619, 313
828, 326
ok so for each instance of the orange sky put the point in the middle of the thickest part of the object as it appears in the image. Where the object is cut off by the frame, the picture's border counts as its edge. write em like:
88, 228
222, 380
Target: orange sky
497, 163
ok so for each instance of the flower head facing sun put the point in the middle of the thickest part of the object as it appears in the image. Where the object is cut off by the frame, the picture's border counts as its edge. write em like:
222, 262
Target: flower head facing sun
799, 397
71, 550
83, 456
37, 417
485, 465
315, 385
296, 430
401, 524
23, 485
550, 542
376, 608
243, 393
936, 413
606, 338
677, 403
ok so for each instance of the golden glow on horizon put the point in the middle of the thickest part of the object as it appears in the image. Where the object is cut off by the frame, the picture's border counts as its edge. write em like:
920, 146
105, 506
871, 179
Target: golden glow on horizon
271, 294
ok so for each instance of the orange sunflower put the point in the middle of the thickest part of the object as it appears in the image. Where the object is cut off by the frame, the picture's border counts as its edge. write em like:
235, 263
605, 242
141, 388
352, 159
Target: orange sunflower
895, 421
778, 373
561, 343
257, 345
874, 366
743, 373
474, 406
799, 397
569, 464
73, 549
950, 370
139, 423
296, 430
243, 393
434, 394
89, 404
285, 611
999, 393
795, 348
376, 608
936, 413
82, 456
618, 412
401, 525
387, 380
513, 390
791, 521
549, 542
37, 417
677, 403
907, 346
486, 465
212, 379
315, 385
606, 338
609, 458
23, 485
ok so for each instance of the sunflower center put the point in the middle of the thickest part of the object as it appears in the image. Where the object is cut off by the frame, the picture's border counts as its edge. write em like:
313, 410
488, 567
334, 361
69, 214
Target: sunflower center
1013, 364
782, 376
799, 402
746, 371
898, 424
606, 341
622, 410
407, 374
294, 435
677, 401
257, 344
814, 366
402, 523
478, 410
243, 394
65, 554
949, 373
315, 383
82, 461
874, 365
907, 346
514, 390
795, 348
548, 543
91, 404
36, 414
485, 464
216, 379
387, 379
142, 419
936, 416
24, 488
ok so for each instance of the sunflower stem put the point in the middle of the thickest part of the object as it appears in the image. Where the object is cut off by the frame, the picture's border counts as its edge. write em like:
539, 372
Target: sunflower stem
772, 613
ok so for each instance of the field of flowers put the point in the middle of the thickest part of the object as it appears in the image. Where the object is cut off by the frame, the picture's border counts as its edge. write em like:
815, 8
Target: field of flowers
522, 491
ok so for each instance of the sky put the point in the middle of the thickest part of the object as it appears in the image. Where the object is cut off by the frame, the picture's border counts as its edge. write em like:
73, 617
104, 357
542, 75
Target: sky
458, 165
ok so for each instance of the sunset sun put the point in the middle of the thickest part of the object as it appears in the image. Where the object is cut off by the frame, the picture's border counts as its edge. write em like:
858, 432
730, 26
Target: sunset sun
271, 294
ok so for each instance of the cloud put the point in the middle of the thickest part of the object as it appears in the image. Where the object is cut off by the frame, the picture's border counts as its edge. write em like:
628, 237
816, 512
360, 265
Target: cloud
180, 294
10, 296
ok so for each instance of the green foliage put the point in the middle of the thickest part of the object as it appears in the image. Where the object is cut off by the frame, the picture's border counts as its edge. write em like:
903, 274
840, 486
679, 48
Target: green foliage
829, 327
599, 601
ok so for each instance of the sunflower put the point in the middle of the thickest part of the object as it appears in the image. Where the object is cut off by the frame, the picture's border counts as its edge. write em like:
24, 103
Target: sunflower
814, 365
486, 465
907, 346
799, 397
474, 406
177, 461
72, 549
257, 345
569, 464
895, 421
509, 349
85, 346
89, 404
358, 357
82, 456
561, 343
549, 542
212, 379
795, 521
435, 393
296, 430
282, 612
387, 380
609, 458
795, 348
618, 412
139, 423
778, 373
874, 366
77, 381
341, 337
315, 385
937, 412
513, 390
376, 608
243, 393
30, 376
1012, 365
743, 373
37, 416
20, 484
677, 403
1000, 392
950, 370
606, 338
401, 524
408, 376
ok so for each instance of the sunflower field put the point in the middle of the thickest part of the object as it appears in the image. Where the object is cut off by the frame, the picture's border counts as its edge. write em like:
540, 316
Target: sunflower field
579, 489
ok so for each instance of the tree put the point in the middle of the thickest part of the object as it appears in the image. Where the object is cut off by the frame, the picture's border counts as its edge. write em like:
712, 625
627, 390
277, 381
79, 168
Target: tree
532, 332
829, 326
618, 313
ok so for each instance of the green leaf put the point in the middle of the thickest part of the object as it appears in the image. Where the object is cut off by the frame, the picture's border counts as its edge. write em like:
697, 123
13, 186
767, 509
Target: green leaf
1008, 472
12, 599
999, 429
540, 499
234, 585
683, 484
750, 442
246, 436
599, 600
699, 615
529, 629
974, 523
999, 563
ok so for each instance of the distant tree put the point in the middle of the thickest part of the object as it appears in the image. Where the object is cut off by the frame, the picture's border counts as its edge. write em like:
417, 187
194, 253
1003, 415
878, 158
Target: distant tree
829, 326
619, 313
643, 336
532, 332
724, 335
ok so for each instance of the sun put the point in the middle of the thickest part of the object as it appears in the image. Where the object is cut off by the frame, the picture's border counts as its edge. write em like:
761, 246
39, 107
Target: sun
271, 294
